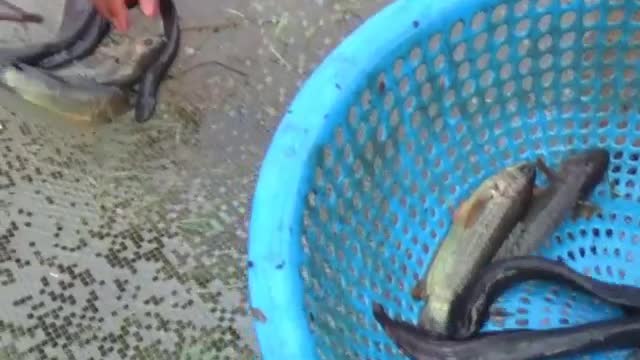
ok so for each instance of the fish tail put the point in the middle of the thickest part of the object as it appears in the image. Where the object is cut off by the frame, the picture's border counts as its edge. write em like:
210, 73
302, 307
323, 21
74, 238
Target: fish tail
145, 107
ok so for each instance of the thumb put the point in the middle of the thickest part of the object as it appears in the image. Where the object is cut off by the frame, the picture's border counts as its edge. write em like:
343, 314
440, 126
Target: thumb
150, 7
120, 17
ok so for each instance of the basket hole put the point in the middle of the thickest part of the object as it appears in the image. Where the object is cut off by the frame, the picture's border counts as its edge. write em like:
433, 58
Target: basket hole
373, 118
398, 66
615, 17
426, 91
525, 66
544, 23
472, 104
409, 104
509, 88
524, 46
482, 61
543, 5
480, 41
545, 42
459, 52
567, 39
365, 100
568, 19
505, 71
527, 84
421, 73
545, 61
486, 78
500, 33
456, 30
614, 36
499, 13
415, 55
434, 42
607, 91
404, 86
439, 62
629, 74
523, 26
503, 52
388, 100
521, 7
463, 70
547, 78
479, 20
587, 57
635, 38
567, 58
590, 18
588, 75
353, 117
589, 38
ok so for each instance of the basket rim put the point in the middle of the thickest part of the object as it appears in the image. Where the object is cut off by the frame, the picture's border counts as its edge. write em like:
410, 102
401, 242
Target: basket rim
274, 250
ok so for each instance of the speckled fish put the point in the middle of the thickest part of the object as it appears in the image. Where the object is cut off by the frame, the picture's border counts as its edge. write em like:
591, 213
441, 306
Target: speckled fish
119, 61
470, 309
418, 344
485, 219
578, 176
85, 13
87, 102
148, 88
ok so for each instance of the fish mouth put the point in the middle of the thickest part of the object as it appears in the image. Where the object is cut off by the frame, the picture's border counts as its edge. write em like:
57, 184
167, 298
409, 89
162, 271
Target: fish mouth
526, 169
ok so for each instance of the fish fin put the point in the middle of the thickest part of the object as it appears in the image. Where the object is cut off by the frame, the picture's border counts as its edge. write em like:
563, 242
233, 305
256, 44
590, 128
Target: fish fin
585, 210
614, 193
473, 208
379, 314
547, 171
419, 292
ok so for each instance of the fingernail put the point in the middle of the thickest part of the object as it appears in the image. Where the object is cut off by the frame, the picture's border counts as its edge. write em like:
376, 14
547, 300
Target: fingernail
148, 8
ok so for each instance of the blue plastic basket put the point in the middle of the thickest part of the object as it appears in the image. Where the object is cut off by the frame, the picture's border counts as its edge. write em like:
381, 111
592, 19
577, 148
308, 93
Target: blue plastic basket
399, 124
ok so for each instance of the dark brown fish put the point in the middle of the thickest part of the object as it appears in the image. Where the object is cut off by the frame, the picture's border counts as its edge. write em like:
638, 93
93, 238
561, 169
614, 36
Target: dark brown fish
148, 88
578, 175
418, 344
470, 309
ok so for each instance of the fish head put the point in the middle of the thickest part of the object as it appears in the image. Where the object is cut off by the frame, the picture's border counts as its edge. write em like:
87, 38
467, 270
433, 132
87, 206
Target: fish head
593, 163
146, 49
148, 43
516, 178
512, 182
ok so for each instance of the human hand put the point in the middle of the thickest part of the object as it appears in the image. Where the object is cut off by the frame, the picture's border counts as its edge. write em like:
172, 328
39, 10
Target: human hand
116, 10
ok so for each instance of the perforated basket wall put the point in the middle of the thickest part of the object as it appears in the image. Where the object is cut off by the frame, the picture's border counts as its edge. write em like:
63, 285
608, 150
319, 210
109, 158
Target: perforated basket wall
474, 87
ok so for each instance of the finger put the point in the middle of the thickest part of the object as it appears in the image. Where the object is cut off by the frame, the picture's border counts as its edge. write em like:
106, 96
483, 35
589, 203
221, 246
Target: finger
120, 16
150, 7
